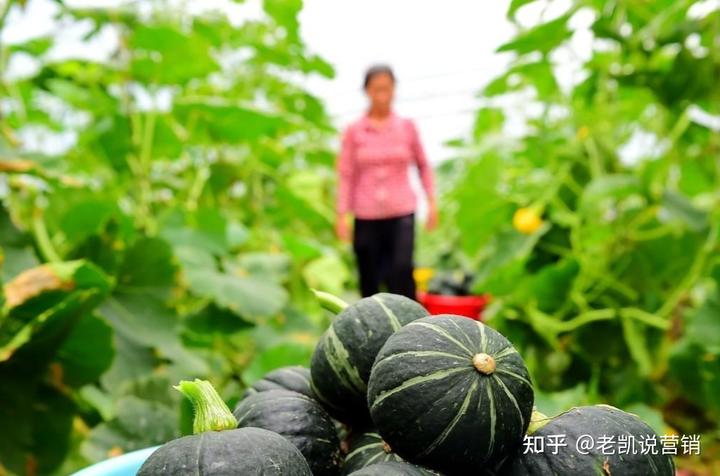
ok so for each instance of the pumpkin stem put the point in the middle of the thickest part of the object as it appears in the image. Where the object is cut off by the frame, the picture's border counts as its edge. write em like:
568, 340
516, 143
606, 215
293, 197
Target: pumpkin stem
211, 412
386, 447
330, 302
484, 363
537, 421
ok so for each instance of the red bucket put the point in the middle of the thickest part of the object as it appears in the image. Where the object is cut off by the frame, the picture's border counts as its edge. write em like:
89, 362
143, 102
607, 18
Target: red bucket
468, 306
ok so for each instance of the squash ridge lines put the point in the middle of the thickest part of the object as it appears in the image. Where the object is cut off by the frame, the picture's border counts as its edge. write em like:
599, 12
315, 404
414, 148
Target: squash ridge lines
421, 353
493, 417
512, 399
483, 337
440, 374
469, 341
361, 449
514, 375
394, 321
461, 412
444, 333
338, 358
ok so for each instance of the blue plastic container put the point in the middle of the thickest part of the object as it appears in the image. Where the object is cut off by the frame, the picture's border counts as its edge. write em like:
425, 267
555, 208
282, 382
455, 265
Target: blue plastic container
124, 465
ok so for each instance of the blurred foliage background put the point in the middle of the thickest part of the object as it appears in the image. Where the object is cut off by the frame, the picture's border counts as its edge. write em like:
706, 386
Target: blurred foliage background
178, 233
615, 297
175, 237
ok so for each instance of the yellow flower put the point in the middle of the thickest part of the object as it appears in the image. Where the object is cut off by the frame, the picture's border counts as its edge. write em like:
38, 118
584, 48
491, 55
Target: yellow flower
422, 277
526, 220
583, 133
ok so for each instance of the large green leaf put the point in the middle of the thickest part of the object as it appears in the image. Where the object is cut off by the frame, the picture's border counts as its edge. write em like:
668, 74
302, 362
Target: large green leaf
282, 355
248, 296
138, 424
148, 266
45, 298
224, 122
161, 53
285, 13
328, 273
86, 353
542, 38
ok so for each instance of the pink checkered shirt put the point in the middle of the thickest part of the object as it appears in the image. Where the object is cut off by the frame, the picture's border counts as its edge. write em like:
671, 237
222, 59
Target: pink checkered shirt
373, 168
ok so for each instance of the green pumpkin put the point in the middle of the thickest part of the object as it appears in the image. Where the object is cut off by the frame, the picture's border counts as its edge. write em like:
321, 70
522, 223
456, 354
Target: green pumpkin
247, 451
365, 449
596, 421
450, 393
218, 448
301, 420
295, 378
393, 468
344, 356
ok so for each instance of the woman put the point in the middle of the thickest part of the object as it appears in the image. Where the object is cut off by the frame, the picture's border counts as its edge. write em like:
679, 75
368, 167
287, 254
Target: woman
374, 187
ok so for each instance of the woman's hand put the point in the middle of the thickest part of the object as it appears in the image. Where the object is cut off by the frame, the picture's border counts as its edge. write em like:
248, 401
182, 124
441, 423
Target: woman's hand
342, 229
432, 216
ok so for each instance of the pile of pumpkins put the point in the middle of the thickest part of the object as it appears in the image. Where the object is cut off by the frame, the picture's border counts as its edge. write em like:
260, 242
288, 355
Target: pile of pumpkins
394, 391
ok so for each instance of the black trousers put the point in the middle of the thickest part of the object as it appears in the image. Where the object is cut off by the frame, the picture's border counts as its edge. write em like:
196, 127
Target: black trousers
384, 253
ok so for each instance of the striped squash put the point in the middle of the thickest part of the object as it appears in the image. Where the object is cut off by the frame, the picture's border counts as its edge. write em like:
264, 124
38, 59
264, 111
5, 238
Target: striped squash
295, 378
367, 448
298, 418
393, 468
345, 353
626, 431
450, 393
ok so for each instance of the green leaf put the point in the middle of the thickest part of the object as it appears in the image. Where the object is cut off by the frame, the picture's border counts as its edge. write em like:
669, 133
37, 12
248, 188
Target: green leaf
206, 229
86, 218
327, 273
41, 419
703, 325
141, 318
505, 248
87, 352
161, 52
515, 6
613, 187
221, 122
488, 120
678, 207
551, 285
285, 354
269, 266
285, 13
139, 424
132, 361
649, 415
148, 264
543, 38
48, 299
636, 339
212, 323
249, 297
554, 403
695, 370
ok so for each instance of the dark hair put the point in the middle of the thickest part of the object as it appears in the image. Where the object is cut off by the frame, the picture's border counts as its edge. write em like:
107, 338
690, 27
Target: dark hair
376, 70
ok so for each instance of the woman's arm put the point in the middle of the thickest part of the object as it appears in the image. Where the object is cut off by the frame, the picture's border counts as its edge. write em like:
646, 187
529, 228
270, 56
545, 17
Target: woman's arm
345, 169
426, 175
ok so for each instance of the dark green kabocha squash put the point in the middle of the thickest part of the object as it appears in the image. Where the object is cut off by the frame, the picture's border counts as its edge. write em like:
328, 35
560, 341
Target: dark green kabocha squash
344, 356
597, 421
218, 448
295, 378
301, 420
393, 468
450, 393
365, 449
